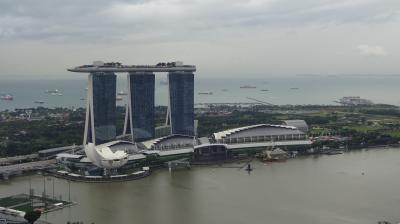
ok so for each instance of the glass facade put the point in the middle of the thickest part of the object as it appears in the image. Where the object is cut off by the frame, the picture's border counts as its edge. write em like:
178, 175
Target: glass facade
181, 98
104, 107
142, 104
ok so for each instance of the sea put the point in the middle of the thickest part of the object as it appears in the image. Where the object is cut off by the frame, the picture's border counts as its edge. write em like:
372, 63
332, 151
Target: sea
297, 90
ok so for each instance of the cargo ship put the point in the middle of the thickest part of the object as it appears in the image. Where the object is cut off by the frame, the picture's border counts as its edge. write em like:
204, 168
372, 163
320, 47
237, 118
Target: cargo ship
248, 87
205, 93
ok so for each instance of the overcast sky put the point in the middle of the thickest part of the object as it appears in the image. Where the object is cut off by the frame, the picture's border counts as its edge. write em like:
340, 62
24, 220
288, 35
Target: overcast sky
224, 38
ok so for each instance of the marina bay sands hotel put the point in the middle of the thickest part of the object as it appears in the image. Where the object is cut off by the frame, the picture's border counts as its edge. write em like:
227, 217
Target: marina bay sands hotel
100, 123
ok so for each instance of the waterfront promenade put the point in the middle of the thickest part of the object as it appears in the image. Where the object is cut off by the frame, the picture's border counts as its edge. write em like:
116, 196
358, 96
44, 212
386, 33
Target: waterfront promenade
18, 169
309, 189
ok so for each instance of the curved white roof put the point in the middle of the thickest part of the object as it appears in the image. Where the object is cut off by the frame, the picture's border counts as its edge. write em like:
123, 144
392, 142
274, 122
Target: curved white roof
168, 140
300, 124
224, 134
105, 152
102, 155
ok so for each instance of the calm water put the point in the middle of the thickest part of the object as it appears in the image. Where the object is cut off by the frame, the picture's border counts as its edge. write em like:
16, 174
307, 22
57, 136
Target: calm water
311, 90
324, 189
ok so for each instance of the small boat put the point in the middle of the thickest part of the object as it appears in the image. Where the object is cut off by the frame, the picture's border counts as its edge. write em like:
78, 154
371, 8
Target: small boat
164, 83
248, 87
205, 93
52, 91
82, 99
119, 98
6, 97
294, 88
39, 102
264, 90
122, 93
224, 90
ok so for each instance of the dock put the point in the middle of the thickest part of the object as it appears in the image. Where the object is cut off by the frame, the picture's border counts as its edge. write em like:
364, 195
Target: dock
178, 164
18, 169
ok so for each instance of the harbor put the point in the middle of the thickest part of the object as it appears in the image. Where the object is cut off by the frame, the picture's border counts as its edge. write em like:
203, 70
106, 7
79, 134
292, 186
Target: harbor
273, 192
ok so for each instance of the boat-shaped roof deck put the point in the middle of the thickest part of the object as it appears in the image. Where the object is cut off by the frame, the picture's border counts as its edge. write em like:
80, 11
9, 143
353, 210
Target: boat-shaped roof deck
118, 67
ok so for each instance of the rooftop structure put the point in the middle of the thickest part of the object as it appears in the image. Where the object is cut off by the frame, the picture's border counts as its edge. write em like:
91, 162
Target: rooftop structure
299, 124
54, 151
99, 66
170, 142
255, 131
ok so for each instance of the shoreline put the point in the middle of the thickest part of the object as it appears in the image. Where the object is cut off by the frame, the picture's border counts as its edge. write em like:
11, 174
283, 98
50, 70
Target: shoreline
194, 164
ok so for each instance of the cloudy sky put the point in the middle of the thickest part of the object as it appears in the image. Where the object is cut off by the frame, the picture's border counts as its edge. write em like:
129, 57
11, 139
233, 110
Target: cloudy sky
224, 38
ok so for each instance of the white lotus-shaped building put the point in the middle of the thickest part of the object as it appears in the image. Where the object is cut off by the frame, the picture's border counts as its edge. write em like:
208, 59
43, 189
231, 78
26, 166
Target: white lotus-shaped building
102, 155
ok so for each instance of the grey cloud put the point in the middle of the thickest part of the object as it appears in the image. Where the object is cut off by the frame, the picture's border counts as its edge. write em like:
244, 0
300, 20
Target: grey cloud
372, 50
102, 20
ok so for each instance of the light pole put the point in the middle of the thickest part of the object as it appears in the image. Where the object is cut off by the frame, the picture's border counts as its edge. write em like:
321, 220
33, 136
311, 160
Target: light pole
53, 188
69, 191
44, 192
30, 192
30, 186
44, 186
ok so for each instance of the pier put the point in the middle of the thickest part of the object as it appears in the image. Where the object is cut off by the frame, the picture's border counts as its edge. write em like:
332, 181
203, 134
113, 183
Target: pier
19, 169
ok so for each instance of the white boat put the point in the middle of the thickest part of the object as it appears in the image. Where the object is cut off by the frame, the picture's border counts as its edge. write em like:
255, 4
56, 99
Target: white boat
118, 98
6, 97
52, 91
